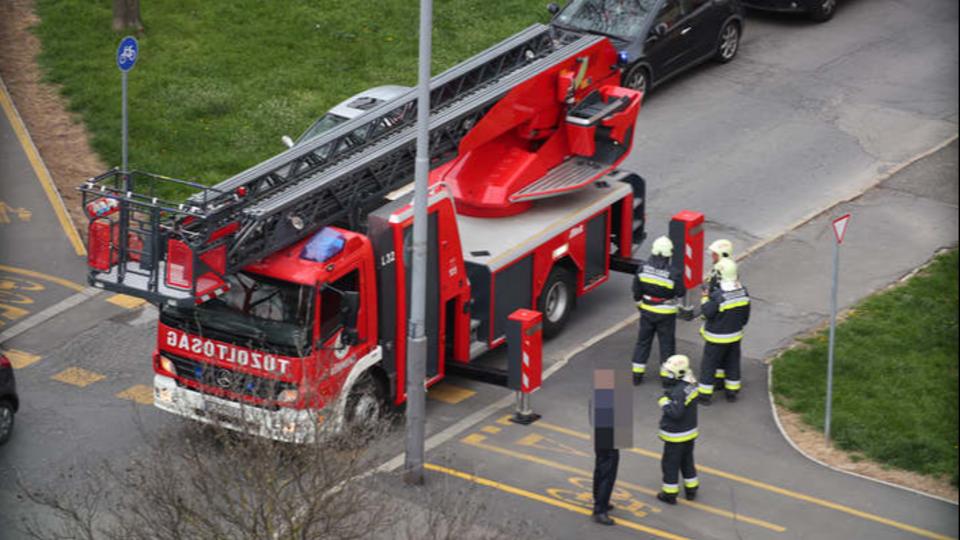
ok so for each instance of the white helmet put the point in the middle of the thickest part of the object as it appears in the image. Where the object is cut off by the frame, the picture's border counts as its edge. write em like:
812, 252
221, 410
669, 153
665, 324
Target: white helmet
723, 248
662, 246
726, 269
676, 367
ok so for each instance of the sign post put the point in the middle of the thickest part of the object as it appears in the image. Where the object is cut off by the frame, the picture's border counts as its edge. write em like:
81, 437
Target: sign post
839, 229
127, 54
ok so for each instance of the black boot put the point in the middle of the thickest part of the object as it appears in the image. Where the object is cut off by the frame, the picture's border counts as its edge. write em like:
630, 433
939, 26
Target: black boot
637, 379
731, 396
603, 519
691, 493
669, 498
705, 399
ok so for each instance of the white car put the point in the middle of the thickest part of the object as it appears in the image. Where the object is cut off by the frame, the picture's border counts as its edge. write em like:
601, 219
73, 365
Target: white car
349, 109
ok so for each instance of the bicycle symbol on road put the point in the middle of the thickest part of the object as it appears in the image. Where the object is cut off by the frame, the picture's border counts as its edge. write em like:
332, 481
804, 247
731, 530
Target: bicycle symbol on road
623, 499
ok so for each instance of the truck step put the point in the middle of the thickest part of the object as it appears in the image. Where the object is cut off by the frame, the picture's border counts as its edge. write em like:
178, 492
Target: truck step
570, 175
477, 348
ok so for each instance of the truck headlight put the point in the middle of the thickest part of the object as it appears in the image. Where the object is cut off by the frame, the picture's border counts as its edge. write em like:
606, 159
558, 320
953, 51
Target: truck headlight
288, 396
167, 365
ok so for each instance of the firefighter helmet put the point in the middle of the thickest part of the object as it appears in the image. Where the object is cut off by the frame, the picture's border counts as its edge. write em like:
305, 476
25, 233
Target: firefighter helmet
662, 246
722, 248
726, 269
676, 367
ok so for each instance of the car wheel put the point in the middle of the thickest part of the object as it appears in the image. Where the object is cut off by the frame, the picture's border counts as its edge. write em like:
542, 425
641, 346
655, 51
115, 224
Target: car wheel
636, 78
6, 421
364, 405
822, 10
557, 300
729, 42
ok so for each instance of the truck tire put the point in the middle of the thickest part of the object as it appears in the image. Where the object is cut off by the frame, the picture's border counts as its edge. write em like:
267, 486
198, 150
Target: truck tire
364, 409
557, 300
6, 421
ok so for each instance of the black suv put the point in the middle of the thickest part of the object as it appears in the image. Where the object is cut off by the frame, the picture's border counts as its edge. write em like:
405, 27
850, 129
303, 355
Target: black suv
9, 403
658, 39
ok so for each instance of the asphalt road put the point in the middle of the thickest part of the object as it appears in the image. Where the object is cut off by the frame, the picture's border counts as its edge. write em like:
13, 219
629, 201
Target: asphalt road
806, 116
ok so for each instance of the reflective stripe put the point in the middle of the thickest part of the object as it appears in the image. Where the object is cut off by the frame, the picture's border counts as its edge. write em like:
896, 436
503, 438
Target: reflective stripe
679, 437
721, 338
692, 396
732, 385
691, 482
706, 389
654, 279
663, 401
720, 374
732, 304
671, 488
665, 309
639, 368
704, 299
665, 373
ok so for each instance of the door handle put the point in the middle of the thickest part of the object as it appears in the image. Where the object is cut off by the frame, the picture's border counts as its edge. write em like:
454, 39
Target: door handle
685, 30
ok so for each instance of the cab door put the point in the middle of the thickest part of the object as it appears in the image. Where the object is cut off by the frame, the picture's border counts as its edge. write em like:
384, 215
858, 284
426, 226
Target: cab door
333, 358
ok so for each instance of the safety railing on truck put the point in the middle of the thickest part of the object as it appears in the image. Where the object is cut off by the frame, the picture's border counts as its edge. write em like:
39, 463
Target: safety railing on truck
143, 243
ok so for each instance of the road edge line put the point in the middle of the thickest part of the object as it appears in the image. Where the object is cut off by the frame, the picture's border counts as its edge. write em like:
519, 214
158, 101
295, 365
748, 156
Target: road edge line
45, 315
41, 171
783, 433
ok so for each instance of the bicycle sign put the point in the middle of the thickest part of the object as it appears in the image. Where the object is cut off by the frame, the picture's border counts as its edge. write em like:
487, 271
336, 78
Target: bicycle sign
127, 53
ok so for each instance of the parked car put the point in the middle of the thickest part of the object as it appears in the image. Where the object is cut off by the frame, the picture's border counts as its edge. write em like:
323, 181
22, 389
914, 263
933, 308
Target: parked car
9, 402
818, 10
348, 109
658, 39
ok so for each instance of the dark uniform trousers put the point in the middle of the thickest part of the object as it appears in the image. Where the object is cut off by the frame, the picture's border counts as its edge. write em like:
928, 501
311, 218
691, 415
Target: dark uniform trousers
721, 361
604, 476
664, 326
678, 458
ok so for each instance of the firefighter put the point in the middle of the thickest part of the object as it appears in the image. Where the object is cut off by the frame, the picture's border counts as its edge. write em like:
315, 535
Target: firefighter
719, 249
726, 311
678, 429
656, 290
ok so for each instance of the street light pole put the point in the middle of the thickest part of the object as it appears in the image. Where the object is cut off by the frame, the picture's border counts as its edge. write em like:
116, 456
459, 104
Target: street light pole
416, 337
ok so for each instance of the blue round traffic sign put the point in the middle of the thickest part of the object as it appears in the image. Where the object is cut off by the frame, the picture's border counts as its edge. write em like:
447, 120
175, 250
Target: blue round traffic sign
127, 53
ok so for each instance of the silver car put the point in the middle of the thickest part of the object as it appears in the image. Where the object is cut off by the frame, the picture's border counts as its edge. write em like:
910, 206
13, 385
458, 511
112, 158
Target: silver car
348, 109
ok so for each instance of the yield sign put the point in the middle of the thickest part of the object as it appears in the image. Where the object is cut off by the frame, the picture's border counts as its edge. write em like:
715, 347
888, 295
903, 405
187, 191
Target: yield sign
840, 227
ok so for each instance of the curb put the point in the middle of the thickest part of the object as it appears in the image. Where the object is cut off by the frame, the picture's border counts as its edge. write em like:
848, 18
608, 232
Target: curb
783, 433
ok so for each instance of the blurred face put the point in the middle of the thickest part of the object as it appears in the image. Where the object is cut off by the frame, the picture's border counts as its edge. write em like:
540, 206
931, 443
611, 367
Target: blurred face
715, 257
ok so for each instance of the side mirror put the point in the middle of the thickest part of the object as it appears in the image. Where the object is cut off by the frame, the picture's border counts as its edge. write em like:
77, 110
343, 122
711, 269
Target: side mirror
287, 141
659, 30
553, 8
349, 310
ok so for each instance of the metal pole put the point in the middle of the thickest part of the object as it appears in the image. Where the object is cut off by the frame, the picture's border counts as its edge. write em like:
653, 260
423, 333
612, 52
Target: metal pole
833, 327
417, 355
123, 135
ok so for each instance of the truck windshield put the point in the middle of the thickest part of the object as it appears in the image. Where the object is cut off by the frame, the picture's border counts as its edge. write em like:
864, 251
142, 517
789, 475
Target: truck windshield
623, 19
257, 309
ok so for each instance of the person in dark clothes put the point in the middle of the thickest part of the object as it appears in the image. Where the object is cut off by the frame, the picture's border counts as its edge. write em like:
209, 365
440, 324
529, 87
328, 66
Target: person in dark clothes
678, 429
611, 414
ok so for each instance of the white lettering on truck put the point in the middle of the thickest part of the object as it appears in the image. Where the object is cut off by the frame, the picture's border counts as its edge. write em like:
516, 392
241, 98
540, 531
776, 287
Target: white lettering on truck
227, 353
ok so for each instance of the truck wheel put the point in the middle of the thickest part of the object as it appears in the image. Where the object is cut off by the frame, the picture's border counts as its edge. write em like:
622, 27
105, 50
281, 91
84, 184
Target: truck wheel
557, 300
364, 405
6, 421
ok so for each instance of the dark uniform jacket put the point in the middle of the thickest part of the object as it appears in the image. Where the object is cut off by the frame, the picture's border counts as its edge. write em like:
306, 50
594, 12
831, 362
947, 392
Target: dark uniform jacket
679, 405
726, 314
657, 284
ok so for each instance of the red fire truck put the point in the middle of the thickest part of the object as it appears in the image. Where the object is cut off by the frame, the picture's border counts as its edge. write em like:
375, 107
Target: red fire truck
284, 290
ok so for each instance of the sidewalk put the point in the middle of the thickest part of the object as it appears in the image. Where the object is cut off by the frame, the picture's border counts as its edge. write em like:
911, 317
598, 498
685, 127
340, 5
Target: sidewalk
754, 484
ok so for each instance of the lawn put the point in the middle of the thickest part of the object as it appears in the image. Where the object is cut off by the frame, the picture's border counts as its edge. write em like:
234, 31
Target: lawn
895, 378
218, 83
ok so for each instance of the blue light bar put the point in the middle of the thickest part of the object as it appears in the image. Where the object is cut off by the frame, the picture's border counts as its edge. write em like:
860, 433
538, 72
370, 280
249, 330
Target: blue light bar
324, 245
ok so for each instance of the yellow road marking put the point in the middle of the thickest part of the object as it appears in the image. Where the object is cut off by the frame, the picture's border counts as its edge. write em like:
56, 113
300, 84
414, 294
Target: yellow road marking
124, 301
46, 277
139, 393
771, 488
5, 210
490, 429
41, 171
78, 377
449, 393
546, 500
21, 359
535, 440
475, 439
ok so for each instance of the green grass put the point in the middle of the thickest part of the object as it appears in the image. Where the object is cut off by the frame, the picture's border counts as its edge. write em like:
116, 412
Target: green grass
218, 83
895, 378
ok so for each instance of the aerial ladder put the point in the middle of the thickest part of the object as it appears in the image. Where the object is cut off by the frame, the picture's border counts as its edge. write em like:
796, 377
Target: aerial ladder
143, 244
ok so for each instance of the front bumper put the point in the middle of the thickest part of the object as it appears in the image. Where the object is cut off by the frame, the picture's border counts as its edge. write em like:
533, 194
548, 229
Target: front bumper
285, 425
